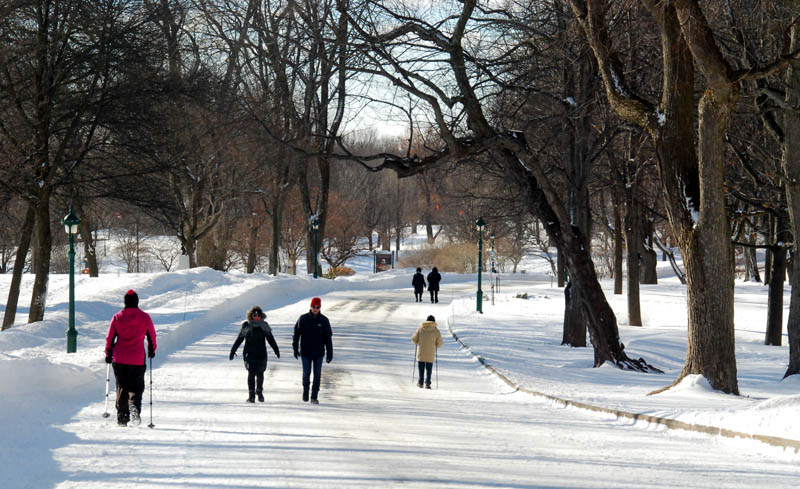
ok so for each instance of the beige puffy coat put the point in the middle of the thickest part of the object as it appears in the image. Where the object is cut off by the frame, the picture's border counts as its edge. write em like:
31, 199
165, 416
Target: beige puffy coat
429, 339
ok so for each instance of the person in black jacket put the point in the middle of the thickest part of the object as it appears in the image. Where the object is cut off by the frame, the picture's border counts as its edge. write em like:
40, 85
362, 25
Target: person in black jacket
433, 284
255, 333
312, 340
418, 282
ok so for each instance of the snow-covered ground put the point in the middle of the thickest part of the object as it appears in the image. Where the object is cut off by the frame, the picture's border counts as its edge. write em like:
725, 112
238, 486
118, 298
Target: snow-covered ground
374, 427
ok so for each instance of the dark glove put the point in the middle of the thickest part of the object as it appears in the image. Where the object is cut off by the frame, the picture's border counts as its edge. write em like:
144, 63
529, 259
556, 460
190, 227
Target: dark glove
328, 357
151, 353
230, 357
108, 358
278, 354
296, 354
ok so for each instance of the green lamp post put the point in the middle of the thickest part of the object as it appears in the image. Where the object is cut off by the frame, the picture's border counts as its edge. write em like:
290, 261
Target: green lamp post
315, 227
71, 223
480, 224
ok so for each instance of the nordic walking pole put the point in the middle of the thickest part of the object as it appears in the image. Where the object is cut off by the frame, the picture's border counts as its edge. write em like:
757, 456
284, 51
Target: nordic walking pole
436, 359
151, 425
414, 365
108, 382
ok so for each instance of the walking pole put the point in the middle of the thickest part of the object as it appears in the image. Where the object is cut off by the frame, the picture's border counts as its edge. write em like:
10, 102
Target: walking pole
436, 359
108, 382
151, 425
414, 365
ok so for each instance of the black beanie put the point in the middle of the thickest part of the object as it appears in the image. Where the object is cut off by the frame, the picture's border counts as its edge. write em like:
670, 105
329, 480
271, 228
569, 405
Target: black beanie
131, 299
431, 319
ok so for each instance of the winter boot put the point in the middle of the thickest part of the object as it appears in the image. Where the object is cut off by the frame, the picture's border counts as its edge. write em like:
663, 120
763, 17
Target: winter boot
136, 420
314, 400
260, 396
419, 384
251, 397
305, 395
122, 419
427, 385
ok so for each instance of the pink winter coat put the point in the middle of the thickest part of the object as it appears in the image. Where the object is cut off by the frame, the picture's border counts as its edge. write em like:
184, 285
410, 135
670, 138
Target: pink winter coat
129, 327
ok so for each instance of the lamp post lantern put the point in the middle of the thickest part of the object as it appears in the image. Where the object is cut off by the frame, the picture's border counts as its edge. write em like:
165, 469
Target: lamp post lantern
315, 227
480, 224
71, 223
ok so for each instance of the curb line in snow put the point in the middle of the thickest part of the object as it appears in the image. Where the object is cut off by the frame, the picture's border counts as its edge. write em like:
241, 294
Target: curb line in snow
666, 422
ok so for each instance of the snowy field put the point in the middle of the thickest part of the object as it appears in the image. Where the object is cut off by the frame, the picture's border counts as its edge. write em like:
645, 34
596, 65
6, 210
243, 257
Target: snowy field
374, 427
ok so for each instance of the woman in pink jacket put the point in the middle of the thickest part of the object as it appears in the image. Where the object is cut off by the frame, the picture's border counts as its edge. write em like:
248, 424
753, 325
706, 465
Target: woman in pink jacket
125, 348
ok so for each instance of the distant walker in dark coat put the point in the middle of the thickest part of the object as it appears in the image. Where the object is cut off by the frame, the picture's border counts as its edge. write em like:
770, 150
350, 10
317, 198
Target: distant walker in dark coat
433, 284
311, 340
255, 333
418, 282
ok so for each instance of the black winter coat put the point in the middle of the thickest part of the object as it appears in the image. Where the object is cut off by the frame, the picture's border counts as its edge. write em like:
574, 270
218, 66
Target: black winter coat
256, 335
312, 336
418, 282
433, 280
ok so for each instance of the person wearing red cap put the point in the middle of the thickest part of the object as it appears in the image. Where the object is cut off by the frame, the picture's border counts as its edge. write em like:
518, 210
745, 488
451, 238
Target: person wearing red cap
125, 351
310, 341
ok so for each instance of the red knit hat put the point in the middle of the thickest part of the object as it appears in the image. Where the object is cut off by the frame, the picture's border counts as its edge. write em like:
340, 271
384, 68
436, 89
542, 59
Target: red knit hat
131, 299
316, 301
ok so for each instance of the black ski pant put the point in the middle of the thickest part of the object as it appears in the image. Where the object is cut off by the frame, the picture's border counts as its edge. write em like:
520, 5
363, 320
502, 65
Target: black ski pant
130, 386
255, 374
434, 295
418, 294
308, 362
425, 367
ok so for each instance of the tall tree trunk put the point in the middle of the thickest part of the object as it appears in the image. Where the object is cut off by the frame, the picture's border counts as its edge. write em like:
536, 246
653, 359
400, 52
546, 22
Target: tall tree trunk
618, 245
633, 245
277, 221
774, 328
252, 257
19, 267
790, 160
42, 253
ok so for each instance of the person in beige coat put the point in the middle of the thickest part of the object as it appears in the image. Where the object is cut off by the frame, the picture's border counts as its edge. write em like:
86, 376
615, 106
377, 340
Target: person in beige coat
428, 339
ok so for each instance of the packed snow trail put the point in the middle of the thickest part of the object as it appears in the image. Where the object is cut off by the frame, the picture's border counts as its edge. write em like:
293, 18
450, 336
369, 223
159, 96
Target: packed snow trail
375, 428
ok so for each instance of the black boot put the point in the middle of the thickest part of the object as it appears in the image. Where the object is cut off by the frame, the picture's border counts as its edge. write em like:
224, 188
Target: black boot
251, 397
305, 395
260, 396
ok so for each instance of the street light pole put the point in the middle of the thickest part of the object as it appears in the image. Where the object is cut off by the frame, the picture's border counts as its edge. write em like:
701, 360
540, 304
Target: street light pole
71, 223
315, 226
480, 223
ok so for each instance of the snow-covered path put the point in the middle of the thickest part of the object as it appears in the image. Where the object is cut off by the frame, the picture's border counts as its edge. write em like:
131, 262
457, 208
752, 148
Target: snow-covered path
375, 428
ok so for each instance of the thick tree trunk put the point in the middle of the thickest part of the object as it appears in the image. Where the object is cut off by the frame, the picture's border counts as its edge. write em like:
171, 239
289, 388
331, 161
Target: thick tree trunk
774, 328
707, 248
790, 160
633, 243
42, 254
601, 321
19, 267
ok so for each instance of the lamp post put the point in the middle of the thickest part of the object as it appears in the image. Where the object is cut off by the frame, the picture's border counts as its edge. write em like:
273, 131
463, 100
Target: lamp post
315, 227
71, 223
480, 224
